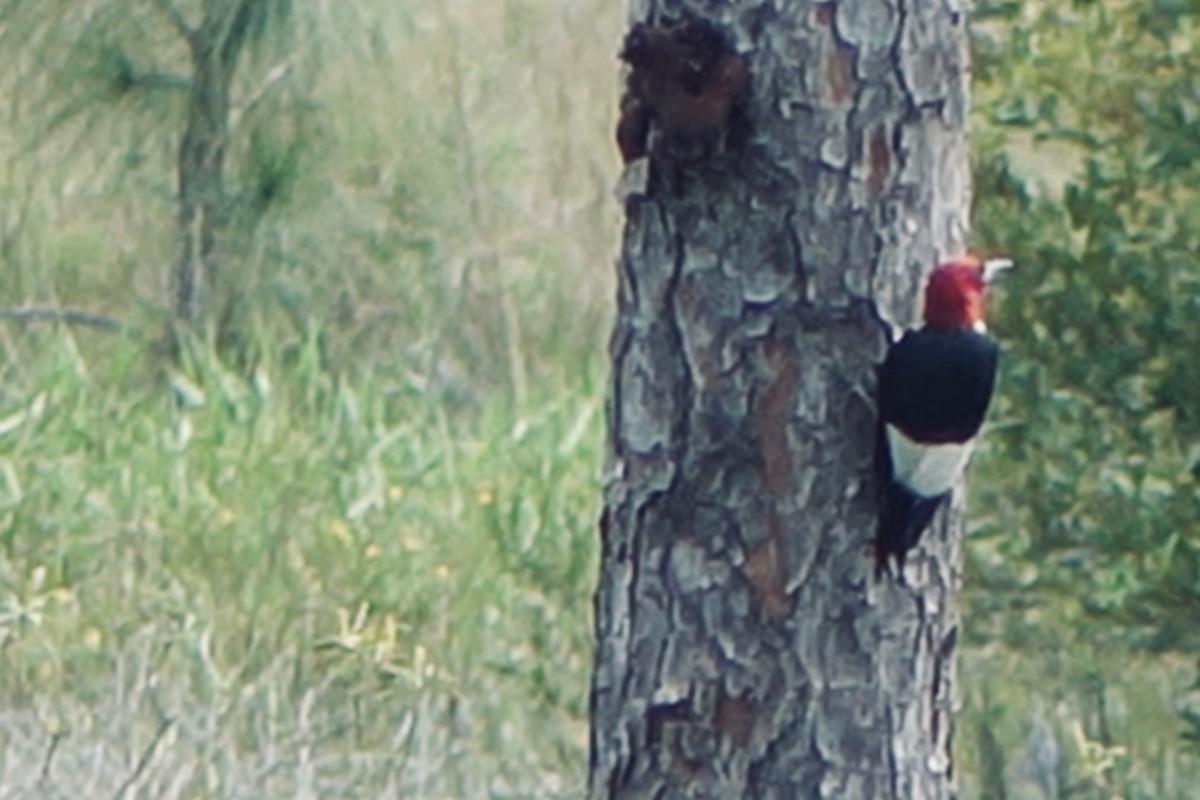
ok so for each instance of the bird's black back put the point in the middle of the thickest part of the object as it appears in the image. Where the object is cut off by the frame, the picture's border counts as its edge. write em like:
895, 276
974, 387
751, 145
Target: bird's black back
936, 384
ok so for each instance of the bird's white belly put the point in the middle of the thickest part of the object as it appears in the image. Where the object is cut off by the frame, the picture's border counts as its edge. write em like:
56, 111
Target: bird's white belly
927, 470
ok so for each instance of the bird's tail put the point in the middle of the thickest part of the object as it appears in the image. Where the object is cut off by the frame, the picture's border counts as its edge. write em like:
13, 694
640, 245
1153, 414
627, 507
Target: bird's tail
904, 517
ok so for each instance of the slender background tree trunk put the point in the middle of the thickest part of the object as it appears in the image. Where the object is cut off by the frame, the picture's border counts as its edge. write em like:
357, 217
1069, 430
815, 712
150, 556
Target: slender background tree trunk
745, 650
215, 45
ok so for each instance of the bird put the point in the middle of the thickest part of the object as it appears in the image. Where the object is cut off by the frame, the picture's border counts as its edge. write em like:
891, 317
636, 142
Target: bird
935, 386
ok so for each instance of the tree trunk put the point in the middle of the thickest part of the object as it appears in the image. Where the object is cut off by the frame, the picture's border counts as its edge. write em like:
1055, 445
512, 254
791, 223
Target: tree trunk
215, 46
745, 649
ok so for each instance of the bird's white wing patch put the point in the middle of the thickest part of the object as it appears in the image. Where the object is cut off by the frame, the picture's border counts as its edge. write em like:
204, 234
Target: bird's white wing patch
928, 470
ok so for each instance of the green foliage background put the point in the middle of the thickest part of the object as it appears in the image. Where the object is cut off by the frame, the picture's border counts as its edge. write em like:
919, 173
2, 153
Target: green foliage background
350, 552
1084, 570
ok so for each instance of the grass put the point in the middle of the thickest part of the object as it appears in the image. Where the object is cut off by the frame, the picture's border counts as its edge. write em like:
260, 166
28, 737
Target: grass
298, 583
304, 585
351, 552
1073, 720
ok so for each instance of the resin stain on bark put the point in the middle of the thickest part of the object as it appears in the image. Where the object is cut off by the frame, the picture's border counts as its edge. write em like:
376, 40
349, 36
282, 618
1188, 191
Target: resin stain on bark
736, 717
879, 162
766, 569
771, 421
684, 78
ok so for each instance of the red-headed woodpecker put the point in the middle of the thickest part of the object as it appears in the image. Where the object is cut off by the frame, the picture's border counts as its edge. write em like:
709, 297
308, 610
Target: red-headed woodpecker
934, 389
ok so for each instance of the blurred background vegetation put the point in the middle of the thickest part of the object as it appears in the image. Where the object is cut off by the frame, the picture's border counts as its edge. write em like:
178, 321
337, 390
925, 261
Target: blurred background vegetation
344, 546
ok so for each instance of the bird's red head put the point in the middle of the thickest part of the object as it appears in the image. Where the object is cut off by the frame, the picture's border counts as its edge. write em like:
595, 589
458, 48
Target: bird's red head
954, 294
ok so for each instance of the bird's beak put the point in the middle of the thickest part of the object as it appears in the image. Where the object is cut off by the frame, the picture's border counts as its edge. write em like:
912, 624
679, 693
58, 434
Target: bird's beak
994, 268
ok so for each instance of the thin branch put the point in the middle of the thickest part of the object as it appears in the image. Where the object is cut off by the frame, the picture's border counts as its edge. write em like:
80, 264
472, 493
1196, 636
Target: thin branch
144, 761
55, 738
177, 19
228, 31
273, 76
161, 80
71, 316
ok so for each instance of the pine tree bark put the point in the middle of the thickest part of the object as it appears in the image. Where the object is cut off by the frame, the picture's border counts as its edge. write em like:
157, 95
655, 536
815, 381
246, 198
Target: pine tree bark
745, 649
